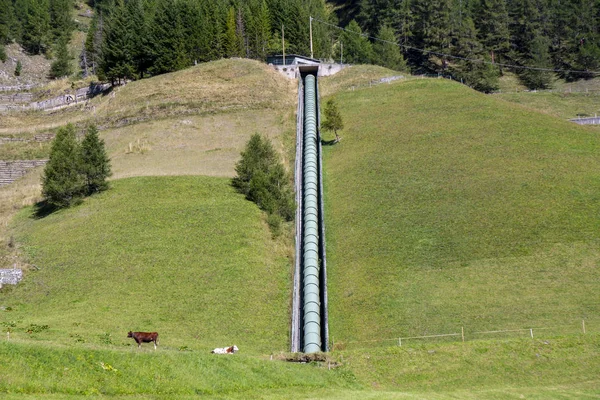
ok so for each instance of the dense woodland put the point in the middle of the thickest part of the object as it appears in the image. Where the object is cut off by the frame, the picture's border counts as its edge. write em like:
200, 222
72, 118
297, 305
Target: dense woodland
473, 40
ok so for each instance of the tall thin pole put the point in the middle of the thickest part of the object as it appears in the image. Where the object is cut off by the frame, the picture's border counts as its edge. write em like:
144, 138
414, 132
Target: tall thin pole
342, 53
311, 44
283, 42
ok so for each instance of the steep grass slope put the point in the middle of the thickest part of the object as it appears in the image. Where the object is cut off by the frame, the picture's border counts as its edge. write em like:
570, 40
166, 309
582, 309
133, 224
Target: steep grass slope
447, 208
187, 257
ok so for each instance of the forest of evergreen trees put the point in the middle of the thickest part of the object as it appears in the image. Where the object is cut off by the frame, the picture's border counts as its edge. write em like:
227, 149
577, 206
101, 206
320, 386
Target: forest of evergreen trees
473, 40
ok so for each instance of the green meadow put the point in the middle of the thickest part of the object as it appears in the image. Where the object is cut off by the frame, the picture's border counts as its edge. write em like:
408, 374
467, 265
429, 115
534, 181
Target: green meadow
447, 208
447, 211
186, 256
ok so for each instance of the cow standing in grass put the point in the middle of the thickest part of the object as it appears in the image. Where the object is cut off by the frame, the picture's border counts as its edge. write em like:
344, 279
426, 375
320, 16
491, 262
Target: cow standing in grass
144, 337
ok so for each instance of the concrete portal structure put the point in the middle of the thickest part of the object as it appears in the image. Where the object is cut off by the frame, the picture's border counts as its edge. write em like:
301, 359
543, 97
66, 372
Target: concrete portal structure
296, 65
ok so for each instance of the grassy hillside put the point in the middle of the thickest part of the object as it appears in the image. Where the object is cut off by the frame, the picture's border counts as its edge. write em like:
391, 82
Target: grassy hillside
209, 88
563, 105
185, 256
449, 208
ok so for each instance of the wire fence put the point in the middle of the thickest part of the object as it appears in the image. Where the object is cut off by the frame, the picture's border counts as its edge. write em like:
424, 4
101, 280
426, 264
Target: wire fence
464, 334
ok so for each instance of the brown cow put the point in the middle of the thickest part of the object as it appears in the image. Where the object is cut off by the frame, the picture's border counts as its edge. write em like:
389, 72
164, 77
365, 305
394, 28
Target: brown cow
144, 337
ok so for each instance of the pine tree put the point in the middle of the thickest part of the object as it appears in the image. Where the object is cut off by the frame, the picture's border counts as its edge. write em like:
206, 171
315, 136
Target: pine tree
7, 21
492, 24
142, 54
62, 183
434, 28
95, 164
539, 60
36, 27
262, 178
356, 47
61, 23
333, 119
62, 65
168, 39
116, 62
231, 40
259, 29
387, 52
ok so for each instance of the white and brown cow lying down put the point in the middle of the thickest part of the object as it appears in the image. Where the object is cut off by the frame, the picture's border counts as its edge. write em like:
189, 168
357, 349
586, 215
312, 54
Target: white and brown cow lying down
144, 337
225, 350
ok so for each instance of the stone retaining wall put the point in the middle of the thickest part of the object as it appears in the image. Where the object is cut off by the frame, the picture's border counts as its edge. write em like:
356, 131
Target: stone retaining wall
10, 276
10, 171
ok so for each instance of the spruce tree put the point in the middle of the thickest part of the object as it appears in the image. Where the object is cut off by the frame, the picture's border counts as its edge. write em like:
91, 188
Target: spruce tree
95, 164
168, 39
492, 23
61, 23
36, 37
62, 182
116, 62
537, 77
7, 21
231, 40
387, 52
333, 119
434, 28
356, 47
142, 53
262, 178
62, 65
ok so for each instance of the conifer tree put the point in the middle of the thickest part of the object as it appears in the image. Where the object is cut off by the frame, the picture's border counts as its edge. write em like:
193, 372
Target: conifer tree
62, 182
538, 77
7, 21
61, 23
387, 52
117, 46
36, 27
492, 24
333, 119
168, 39
356, 47
95, 164
195, 33
262, 178
142, 54
231, 40
62, 65
434, 28
259, 29
93, 42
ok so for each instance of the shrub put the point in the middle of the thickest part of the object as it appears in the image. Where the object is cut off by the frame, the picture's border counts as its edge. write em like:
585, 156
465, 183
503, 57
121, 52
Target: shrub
262, 178
75, 170
95, 164
62, 183
18, 68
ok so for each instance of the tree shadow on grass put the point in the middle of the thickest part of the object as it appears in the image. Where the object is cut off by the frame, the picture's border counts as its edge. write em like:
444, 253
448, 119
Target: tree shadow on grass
42, 209
330, 142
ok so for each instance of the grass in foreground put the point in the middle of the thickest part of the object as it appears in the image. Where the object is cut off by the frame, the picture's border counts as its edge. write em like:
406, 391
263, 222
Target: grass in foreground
448, 208
187, 257
561, 368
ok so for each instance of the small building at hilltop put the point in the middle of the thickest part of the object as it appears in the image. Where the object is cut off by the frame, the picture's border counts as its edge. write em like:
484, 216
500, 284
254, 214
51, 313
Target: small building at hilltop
291, 65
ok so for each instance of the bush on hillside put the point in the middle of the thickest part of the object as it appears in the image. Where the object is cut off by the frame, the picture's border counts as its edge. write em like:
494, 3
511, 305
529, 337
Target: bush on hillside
62, 182
75, 170
95, 166
262, 178
3, 56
